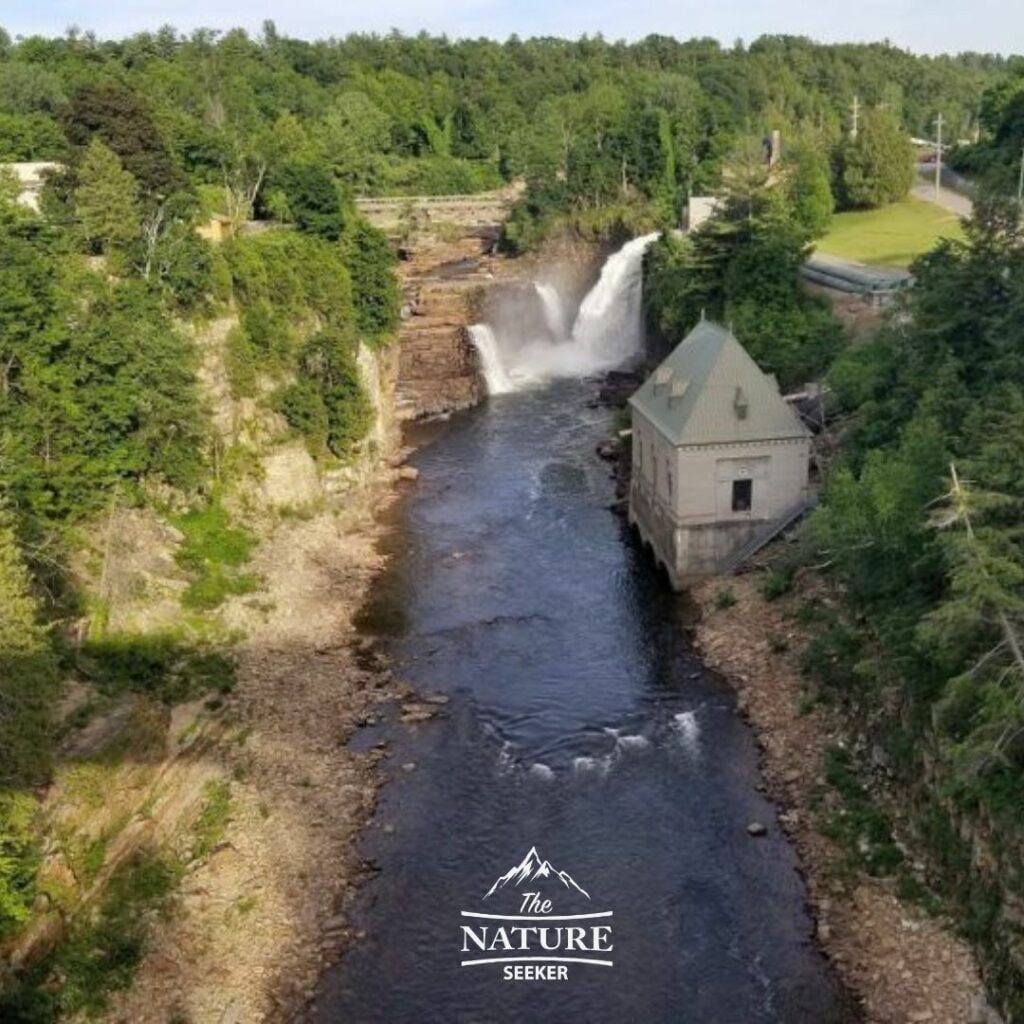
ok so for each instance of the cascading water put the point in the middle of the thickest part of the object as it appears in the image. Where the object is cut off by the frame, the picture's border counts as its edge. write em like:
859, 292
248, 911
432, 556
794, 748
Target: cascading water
608, 325
554, 314
498, 381
607, 330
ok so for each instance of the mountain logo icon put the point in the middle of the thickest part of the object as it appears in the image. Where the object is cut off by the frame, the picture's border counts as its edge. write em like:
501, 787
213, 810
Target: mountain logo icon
532, 869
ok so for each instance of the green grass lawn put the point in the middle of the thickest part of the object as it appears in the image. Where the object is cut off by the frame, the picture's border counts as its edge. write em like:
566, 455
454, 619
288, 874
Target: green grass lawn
891, 236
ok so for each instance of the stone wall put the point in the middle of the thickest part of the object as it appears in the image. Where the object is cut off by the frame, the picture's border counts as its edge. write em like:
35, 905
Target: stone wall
480, 210
438, 370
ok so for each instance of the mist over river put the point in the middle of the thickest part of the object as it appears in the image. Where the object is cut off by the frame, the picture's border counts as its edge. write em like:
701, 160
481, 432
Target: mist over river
578, 723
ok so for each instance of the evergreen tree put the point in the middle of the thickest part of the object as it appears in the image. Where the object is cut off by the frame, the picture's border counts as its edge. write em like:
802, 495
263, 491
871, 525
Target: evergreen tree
27, 678
20, 633
106, 201
375, 292
27, 685
311, 199
877, 166
810, 188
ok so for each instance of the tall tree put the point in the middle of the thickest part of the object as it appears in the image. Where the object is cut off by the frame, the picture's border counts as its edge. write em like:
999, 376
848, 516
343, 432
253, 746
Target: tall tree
122, 120
106, 202
810, 188
877, 166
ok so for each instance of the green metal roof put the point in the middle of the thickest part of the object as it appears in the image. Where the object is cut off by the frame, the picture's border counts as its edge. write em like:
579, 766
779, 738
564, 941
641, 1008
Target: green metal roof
709, 391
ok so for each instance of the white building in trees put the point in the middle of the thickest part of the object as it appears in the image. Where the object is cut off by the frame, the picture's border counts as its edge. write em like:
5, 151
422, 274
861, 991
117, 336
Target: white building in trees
720, 460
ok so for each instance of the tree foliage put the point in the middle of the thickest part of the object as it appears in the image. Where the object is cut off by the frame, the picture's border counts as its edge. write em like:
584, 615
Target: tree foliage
121, 119
877, 166
743, 268
922, 521
106, 201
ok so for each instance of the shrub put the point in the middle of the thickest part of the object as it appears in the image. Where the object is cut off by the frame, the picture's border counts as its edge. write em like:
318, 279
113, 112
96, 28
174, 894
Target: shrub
327, 405
374, 286
858, 824
19, 858
214, 551
775, 584
213, 819
102, 950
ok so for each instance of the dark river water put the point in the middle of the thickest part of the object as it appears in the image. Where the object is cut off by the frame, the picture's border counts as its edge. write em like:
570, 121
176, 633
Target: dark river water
580, 724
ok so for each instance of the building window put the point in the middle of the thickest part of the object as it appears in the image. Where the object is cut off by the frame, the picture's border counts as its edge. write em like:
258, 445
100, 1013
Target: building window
668, 474
742, 493
640, 450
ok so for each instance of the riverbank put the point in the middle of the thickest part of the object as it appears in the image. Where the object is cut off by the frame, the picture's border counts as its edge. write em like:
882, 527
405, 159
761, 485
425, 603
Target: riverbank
901, 963
255, 923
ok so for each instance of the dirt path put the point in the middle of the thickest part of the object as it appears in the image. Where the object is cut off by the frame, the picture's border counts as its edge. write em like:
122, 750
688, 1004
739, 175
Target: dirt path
905, 966
258, 921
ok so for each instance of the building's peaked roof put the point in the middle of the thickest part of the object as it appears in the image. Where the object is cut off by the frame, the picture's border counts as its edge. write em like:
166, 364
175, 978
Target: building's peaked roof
709, 391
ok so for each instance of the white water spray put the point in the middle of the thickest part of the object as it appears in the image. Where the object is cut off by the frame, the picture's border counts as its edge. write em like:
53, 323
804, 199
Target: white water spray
688, 731
608, 328
607, 331
498, 380
554, 314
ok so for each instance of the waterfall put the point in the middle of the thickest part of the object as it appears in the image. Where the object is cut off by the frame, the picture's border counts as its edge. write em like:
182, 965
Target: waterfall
498, 381
607, 331
551, 303
608, 327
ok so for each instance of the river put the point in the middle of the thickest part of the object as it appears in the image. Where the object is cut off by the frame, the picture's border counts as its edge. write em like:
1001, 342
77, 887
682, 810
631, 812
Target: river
578, 723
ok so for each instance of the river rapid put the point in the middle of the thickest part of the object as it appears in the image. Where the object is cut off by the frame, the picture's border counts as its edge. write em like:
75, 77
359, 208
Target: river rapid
579, 724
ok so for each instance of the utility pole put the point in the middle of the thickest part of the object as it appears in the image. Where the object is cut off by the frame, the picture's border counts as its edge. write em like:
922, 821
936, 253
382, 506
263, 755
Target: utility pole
856, 117
938, 156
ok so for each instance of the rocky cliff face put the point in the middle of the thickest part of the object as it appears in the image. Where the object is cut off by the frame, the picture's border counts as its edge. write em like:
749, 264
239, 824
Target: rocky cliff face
452, 278
438, 370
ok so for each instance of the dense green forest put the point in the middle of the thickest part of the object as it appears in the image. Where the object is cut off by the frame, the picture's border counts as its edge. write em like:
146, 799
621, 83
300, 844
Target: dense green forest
921, 527
103, 292
588, 124
998, 156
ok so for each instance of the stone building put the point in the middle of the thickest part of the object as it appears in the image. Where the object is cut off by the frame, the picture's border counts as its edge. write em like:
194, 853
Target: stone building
720, 460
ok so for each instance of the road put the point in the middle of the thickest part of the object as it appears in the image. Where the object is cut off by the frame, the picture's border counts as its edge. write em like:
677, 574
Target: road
954, 201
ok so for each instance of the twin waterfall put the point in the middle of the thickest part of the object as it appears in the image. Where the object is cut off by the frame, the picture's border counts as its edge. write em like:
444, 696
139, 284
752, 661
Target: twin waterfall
606, 330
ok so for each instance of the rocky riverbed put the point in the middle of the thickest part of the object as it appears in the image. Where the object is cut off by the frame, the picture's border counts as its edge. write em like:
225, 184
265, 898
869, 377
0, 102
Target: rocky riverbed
904, 965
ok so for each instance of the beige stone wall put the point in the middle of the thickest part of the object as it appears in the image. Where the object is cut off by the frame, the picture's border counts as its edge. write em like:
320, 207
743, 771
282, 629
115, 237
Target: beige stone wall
478, 210
777, 471
681, 498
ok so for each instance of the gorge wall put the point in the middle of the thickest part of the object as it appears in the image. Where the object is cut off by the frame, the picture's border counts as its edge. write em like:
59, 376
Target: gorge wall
447, 248
438, 369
